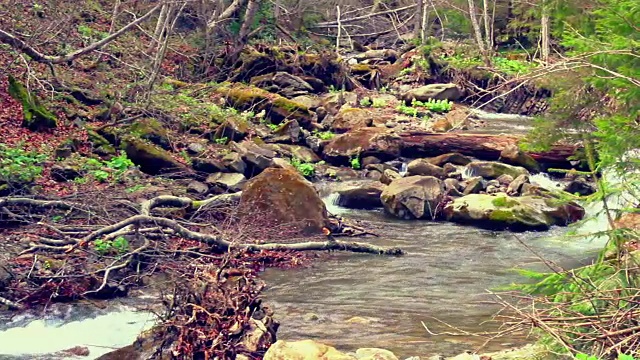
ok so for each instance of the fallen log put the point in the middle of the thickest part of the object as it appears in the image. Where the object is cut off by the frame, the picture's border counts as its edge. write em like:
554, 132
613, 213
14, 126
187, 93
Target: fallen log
480, 146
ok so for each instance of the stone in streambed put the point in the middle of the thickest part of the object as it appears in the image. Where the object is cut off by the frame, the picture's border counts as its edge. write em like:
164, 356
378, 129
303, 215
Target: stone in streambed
417, 197
362, 196
375, 354
304, 350
493, 170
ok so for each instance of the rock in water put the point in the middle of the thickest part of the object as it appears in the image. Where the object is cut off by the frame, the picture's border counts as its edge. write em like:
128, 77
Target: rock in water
424, 167
413, 197
364, 196
375, 354
493, 170
516, 213
304, 350
514, 156
281, 197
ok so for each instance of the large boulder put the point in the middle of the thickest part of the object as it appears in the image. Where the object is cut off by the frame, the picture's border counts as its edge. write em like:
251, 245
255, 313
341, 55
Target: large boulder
304, 350
152, 130
352, 118
450, 158
513, 155
281, 197
493, 169
378, 142
416, 197
150, 158
516, 213
361, 196
424, 167
433, 91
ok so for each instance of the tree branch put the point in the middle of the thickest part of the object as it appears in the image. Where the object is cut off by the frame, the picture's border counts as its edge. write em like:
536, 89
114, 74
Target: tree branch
18, 44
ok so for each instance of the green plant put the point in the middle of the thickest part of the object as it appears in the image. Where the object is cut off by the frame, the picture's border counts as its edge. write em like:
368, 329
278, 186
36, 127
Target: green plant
355, 162
135, 188
324, 135
407, 110
100, 175
365, 102
85, 31
19, 166
439, 106
379, 103
222, 141
306, 169
117, 246
273, 127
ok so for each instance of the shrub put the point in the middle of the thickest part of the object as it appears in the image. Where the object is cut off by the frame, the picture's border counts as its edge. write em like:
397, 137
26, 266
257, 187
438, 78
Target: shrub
18, 166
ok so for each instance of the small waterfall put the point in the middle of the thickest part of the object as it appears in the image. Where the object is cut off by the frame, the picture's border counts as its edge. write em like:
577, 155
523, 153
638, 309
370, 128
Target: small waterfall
331, 202
544, 181
403, 169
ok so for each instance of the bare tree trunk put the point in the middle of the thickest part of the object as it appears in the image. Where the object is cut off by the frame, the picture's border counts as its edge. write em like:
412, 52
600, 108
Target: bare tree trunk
249, 15
116, 10
476, 27
339, 28
160, 26
488, 36
544, 34
418, 31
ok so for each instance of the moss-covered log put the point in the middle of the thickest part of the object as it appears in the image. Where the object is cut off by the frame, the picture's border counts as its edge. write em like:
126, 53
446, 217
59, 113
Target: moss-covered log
35, 116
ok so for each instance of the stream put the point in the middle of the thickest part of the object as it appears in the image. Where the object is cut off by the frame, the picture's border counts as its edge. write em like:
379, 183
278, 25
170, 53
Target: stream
367, 301
352, 301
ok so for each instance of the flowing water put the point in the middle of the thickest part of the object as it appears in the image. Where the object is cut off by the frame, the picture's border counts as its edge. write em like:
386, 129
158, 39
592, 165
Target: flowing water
371, 301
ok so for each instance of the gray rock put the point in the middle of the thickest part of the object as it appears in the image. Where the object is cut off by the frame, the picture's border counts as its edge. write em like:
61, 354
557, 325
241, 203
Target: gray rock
375, 354
196, 187
208, 165
65, 172
515, 187
512, 155
433, 91
413, 197
389, 175
493, 170
451, 158
425, 168
505, 179
580, 186
234, 163
227, 181
195, 148
474, 186
361, 196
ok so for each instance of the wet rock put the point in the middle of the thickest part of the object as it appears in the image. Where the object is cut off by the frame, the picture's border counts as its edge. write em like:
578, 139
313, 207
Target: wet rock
208, 165
283, 197
196, 187
515, 187
233, 182
424, 167
389, 175
373, 174
452, 187
65, 172
433, 91
449, 168
516, 213
368, 160
375, 354
512, 155
451, 158
352, 118
505, 179
150, 158
304, 350
310, 317
580, 186
359, 320
195, 148
493, 170
361, 196
378, 142
474, 186
413, 197
151, 130
234, 163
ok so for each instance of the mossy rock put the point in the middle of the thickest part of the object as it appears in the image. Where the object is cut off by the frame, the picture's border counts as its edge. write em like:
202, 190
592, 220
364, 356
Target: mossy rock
100, 144
516, 213
277, 107
150, 158
35, 116
151, 129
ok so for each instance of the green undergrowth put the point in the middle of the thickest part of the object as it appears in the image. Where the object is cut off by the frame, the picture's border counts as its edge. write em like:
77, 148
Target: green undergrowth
18, 166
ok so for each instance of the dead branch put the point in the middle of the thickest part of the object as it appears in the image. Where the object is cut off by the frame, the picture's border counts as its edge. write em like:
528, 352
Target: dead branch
18, 44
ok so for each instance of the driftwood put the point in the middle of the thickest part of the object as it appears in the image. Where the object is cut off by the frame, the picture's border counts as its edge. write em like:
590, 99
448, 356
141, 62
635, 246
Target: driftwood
481, 146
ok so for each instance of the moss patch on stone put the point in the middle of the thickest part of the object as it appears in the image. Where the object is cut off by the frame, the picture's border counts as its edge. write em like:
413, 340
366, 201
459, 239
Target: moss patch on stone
35, 116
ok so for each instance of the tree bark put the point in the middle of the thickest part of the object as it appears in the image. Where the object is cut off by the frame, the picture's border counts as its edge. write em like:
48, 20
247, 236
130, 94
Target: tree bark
418, 31
249, 15
481, 146
476, 27
544, 34
488, 36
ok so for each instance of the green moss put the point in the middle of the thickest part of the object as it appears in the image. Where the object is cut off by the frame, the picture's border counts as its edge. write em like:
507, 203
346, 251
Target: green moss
504, 201
150, 129
35, 116
505, 216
